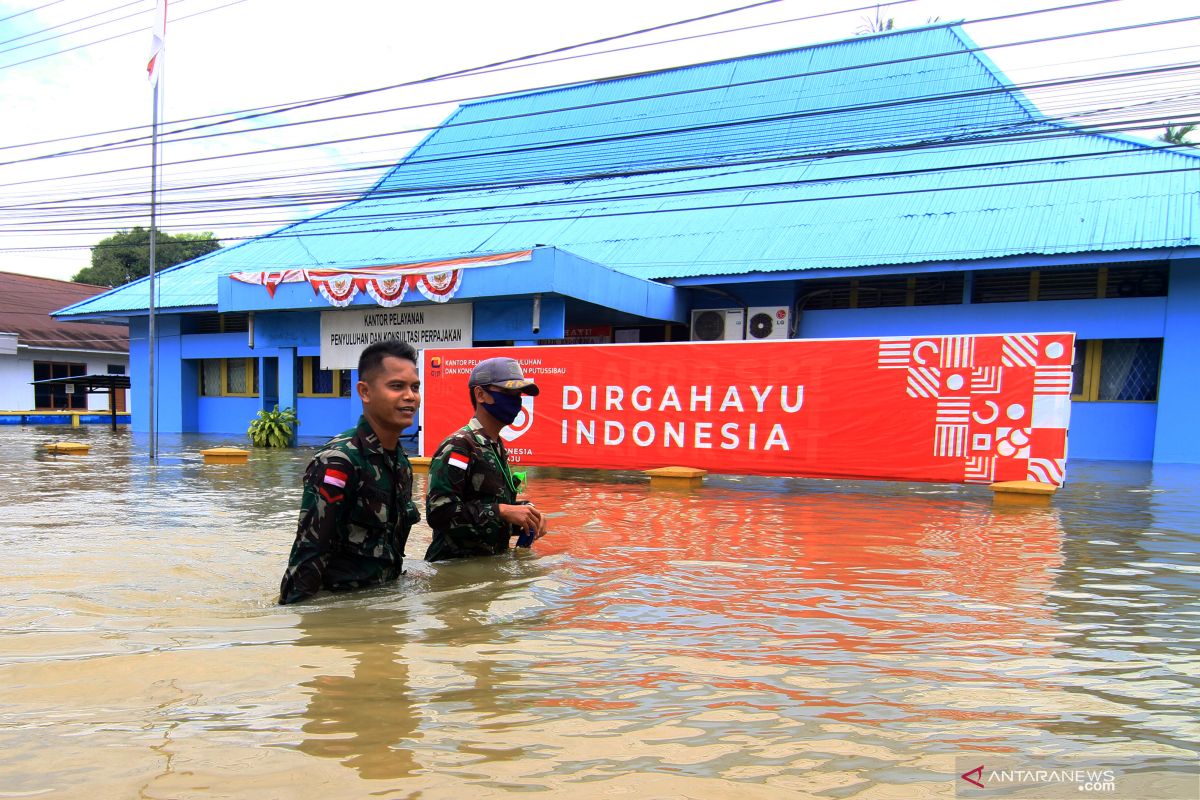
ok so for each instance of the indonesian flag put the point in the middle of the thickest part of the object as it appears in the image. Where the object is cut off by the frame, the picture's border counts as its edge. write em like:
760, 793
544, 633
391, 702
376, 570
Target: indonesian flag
158, 43
455, 460
336, 478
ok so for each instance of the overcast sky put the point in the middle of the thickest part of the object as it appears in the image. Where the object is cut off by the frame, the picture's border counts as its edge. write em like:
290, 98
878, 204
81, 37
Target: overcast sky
240, 54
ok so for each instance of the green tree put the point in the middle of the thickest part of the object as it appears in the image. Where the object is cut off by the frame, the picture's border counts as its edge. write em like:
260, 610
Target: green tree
876, 24
125, 256
1178, 134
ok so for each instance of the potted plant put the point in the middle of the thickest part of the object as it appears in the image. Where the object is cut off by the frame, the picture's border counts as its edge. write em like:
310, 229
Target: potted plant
273, 428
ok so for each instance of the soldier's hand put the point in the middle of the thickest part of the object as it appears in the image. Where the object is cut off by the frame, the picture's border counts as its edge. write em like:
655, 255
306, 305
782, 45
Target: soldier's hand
523, 515
526, 517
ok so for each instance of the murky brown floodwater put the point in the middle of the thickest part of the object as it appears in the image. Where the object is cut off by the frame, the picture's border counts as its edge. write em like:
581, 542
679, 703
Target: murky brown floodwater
760, 638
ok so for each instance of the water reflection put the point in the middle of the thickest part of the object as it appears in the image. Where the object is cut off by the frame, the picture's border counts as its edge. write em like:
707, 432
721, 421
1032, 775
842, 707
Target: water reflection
368, 719
762, 637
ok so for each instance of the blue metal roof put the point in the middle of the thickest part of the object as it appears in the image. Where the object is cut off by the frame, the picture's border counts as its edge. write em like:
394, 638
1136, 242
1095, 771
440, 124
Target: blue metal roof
855, 153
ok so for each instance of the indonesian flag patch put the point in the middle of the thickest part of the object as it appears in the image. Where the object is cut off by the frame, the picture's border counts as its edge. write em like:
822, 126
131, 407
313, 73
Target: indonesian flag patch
455, 460
335, 478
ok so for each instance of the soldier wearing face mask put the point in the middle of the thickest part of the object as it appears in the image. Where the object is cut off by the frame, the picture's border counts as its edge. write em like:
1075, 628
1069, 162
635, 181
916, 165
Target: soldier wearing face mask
472, 503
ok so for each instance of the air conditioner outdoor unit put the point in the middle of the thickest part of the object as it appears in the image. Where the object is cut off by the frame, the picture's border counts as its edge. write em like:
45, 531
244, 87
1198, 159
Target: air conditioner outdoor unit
768, 322
718, 324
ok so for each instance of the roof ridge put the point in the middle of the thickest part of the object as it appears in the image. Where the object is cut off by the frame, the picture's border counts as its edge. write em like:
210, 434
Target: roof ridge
54, 280
728, 59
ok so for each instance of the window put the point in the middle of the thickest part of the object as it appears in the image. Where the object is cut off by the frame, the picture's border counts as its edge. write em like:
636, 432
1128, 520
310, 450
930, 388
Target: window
823, 295
209, 322
1143, 281
312, 381
933, 289
1068, 284
937, 289
1002, 286
1071, 283
1117, 370
115, 369
888, 291
58, 398
229, 377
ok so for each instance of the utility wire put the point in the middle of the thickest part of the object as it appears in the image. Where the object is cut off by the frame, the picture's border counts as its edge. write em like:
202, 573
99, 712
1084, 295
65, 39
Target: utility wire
31, 10
115, 36
626, 197
629, 197
638, 135
451, 124
978, 137
261, 111
72, 22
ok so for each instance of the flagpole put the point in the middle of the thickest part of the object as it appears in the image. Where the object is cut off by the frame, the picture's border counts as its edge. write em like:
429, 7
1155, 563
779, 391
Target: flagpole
153, 262
154, 70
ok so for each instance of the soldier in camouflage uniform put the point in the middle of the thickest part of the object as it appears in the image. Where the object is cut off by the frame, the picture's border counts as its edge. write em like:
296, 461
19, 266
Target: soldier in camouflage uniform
357, 508
472, 503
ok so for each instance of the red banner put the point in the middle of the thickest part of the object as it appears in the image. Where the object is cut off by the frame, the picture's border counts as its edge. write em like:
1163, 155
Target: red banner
949, 409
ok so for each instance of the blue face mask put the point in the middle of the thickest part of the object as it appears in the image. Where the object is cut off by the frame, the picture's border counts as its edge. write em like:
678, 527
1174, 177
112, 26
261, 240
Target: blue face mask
504, 407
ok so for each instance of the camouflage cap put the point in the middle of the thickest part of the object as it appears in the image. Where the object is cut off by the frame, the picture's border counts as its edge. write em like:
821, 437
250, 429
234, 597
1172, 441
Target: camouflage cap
503, 372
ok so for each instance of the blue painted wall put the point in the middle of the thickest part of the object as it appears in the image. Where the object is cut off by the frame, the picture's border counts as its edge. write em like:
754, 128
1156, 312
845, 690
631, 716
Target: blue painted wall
325, 416
1112, 431
176, 380
507, 320
1178, 435
230, 415
1166, 431
1134, 317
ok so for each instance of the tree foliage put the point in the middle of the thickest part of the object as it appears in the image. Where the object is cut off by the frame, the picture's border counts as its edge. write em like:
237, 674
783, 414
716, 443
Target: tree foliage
1178, 134
125, 256
876, 24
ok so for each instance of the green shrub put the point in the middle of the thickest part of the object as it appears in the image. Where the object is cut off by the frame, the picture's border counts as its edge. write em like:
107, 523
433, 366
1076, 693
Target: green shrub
273, 428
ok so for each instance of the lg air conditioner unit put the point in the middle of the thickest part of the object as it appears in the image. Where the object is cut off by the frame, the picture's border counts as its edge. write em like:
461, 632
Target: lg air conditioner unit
717, 324
768, 322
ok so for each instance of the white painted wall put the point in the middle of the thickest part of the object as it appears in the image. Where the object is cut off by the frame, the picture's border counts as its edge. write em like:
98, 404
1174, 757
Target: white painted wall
16, 372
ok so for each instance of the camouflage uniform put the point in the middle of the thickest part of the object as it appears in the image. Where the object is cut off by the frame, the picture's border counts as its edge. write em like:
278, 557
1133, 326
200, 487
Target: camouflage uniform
354, 519
468, 479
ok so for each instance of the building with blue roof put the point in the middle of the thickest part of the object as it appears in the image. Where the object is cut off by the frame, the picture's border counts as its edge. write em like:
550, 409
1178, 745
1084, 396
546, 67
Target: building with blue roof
889, 185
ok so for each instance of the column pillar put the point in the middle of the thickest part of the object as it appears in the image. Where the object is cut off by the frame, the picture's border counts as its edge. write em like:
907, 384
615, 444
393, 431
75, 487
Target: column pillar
1176, 432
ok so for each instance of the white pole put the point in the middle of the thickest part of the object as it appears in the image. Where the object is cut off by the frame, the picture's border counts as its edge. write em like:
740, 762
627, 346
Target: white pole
153, 265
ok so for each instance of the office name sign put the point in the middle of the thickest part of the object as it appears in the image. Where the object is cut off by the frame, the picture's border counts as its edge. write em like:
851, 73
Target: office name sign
345, 334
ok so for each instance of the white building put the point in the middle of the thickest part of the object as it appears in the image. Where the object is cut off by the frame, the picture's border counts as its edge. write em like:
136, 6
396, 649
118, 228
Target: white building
34, 346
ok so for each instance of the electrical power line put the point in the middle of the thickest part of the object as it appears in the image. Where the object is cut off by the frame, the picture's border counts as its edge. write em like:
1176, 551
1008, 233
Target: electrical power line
508, 152
1001, 90
236, 116
115, 36
31, 10
72, 22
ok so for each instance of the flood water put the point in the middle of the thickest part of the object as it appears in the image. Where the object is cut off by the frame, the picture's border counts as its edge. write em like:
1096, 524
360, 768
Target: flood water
758, 638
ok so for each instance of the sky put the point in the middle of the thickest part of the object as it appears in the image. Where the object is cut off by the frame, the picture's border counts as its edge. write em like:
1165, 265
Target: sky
232, 55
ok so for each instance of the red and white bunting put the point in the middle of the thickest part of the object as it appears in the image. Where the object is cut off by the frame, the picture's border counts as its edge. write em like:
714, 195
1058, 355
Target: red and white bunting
388, 285
440, 286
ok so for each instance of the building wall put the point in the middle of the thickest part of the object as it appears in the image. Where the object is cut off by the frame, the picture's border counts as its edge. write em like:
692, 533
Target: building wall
1177, 439
280, 340
16, 373
1133, 431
